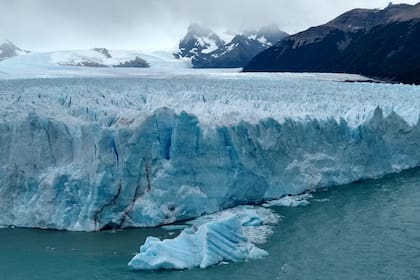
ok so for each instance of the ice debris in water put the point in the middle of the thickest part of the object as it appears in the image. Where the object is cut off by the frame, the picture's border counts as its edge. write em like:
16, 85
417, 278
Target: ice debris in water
174, 227
257, 222
290, 201
227, 236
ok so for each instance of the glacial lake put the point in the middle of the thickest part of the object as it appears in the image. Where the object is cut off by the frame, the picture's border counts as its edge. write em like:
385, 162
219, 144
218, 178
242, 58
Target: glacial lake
366, 230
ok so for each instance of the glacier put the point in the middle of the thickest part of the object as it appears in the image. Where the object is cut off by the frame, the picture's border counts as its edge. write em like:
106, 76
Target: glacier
59, 64
225, 237
89, 154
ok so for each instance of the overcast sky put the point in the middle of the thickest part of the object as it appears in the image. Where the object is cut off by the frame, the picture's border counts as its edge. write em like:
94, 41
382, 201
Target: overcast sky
140, 24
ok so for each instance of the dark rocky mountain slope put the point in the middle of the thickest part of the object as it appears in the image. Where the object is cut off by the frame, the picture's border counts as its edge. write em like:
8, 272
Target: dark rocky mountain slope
8, 50
379, 43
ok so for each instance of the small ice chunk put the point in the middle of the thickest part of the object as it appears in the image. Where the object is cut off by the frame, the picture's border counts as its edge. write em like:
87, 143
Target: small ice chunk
290, 201
174, 227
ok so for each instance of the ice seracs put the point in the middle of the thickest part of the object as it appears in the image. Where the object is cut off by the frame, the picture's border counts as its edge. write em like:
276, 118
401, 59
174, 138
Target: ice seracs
91, 154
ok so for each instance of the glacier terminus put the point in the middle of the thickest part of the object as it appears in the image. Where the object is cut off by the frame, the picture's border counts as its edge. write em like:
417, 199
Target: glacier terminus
87, 154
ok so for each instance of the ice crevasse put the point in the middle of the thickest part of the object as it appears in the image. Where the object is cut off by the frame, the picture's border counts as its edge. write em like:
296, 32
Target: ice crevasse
166, 165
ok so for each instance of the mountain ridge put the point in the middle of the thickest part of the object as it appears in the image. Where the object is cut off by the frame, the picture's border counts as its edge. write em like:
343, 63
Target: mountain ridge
8, 49
329, 47
206, 49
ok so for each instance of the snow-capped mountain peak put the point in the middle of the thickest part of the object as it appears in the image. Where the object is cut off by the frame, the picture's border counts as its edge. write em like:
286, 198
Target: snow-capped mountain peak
206, 49
9, 49
99, 57
103, 51
266, 36
199, 30
271, 33
198, 40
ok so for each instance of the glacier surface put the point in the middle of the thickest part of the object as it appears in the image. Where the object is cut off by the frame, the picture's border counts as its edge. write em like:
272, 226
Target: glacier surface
88, 154
219, 239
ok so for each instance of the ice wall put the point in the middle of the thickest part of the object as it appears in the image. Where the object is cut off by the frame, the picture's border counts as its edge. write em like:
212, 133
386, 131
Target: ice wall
62, 174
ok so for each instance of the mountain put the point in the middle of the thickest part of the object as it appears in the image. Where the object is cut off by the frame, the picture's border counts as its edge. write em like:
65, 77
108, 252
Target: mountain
198, 40
269, 35
90, 63
8, 50
378, 43
99, 57
206, 49
389, 51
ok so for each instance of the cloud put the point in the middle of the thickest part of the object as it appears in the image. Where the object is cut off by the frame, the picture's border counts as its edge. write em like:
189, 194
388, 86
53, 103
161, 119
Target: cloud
137, 24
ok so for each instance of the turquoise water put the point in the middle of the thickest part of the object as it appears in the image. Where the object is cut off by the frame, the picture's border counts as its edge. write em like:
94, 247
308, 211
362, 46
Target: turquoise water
366, 230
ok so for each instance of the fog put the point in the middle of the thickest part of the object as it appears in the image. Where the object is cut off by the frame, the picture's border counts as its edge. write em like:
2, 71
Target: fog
43, 25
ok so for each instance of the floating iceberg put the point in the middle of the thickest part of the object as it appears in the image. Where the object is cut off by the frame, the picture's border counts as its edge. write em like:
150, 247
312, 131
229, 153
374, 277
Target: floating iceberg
211, 243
